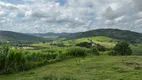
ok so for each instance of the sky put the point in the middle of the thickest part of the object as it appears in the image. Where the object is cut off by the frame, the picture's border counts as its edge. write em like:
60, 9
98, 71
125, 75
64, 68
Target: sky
42, 16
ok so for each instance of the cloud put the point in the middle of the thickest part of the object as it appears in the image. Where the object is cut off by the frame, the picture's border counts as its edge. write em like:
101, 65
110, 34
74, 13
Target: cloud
137, 5
8, 6
2, 13
110, 14
70, 15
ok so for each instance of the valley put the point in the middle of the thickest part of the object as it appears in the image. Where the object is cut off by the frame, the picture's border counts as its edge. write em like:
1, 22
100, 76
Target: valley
63, 58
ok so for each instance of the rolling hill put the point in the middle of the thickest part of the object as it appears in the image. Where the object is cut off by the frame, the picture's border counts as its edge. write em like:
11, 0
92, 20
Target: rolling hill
112, 33
14, 36
50, 35
125, 35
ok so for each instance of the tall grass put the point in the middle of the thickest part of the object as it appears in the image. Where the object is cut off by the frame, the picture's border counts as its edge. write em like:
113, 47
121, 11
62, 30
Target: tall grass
77, 51
13, 60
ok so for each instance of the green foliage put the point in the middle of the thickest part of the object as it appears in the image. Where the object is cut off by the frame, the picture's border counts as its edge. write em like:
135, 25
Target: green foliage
3, 56
76, 51
84, 44
108, 52
13, 60
5, 49
94, 51
122, 48
90, 68
137, 49
100, 48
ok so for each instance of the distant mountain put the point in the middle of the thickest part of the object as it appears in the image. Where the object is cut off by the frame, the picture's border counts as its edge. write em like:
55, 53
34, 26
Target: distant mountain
14, 36
50, 35
112, 33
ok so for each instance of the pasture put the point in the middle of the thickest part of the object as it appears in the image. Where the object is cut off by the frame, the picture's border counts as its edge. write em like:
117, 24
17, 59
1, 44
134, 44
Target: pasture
88, 68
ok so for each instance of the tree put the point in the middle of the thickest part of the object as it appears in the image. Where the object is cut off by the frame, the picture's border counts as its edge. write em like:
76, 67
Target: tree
84, 44
100, 47
122, 48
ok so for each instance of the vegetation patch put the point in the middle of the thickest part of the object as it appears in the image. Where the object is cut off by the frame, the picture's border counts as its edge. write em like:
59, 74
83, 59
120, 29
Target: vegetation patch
122, 48
77, 52
13, 60
135, 65
50, 77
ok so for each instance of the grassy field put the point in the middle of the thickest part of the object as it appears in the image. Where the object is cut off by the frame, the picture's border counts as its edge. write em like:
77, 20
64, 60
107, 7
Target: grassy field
88, 68
137, 50
67, 67
102, 40
105, 41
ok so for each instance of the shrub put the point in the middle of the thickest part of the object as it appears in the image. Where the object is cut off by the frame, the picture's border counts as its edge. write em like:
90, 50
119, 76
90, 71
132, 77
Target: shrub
100, 47
94, 51
61, 57
77, 51
84, 44
122, 48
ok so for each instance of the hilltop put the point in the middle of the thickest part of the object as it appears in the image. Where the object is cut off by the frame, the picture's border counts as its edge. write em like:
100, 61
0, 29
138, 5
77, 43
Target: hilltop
118, 34
124, 35
14, 36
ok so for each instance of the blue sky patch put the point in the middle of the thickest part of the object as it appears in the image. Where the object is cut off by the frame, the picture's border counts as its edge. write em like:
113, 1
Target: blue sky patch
62, 2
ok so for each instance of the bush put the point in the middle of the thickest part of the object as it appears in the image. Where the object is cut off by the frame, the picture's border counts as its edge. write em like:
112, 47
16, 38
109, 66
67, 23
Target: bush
61, 57
100, 47
84, 44
94, 51
122, 48
77, 51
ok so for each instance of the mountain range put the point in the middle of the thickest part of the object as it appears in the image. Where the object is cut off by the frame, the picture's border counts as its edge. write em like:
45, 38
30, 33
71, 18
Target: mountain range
112, 33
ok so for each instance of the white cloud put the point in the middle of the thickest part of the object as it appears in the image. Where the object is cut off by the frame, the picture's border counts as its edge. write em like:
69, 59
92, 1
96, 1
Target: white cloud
2, 13
110, 14
73, 16
137, 22
8, 6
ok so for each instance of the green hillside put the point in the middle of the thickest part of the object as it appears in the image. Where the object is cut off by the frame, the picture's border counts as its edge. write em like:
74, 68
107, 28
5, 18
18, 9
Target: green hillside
102, 40
124, 35
50, 36
112, 33
14, 36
